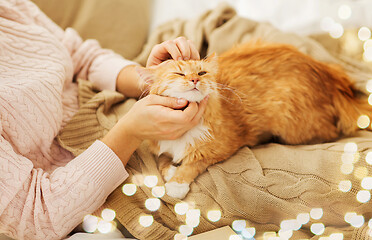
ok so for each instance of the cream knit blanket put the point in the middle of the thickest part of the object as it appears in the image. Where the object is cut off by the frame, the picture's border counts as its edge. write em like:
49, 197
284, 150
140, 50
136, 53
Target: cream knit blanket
264, 185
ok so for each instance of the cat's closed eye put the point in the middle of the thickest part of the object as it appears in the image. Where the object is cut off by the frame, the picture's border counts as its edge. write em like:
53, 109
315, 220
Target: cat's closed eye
178, 73
202, 73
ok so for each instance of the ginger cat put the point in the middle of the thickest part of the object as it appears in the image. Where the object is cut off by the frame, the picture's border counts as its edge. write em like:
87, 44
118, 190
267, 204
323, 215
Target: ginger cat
257, 92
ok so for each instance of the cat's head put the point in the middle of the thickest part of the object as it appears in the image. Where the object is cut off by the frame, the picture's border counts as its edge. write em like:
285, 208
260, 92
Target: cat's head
192, 79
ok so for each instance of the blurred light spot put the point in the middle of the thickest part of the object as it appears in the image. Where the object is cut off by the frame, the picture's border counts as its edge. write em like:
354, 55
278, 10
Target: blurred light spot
369, 83
214, 215
186, 230
348, 216
364, 33
90, 223
351, 147
248, 232
361, 172
105, 227
347, 168
291, 224
369, 158
363, 196
303, 218
367, 55
285, 234
317, 228
108, 214
316, 213
269, 235
235, 237
363, 121
370, 97
138, 179
344, 12
129, 189
336, 236
193, 217
239, 225
158, 191
347, 158
326, 24
152, 204
181, 208
180, 236
337, 30
357, 221
151, 181
146, 220
345, 185
370, 223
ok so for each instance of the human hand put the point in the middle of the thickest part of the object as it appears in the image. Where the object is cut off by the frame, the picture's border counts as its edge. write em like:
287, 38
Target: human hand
161, 118
177, 49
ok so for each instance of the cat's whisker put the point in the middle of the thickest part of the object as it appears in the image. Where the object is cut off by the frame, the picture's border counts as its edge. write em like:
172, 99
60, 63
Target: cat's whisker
234, 91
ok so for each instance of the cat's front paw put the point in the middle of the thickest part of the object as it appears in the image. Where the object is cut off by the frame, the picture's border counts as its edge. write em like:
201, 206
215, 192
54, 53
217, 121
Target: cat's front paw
177, 190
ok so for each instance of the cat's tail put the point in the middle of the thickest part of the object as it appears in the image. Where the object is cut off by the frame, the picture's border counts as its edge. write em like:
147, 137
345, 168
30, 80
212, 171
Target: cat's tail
354, 112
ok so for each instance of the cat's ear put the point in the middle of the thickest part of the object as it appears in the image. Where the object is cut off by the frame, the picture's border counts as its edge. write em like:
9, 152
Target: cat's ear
213, 58
146, 74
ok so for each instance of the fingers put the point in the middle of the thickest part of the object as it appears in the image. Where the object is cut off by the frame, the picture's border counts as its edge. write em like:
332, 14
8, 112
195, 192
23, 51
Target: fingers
201, 109
174, 103
177, 49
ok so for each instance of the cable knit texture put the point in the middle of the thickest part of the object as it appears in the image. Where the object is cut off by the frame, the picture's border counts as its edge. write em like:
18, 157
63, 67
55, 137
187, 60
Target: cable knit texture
44, 191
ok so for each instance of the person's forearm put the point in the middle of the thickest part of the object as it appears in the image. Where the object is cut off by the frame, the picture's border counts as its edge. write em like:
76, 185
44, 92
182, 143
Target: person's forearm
128, 82
121, 142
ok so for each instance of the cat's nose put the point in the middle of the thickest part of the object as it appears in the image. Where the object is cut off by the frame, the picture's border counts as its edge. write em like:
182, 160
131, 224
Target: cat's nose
195, 80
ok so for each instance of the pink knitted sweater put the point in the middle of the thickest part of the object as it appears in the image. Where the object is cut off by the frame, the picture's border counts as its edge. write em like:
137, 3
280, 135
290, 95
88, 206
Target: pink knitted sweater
44, 191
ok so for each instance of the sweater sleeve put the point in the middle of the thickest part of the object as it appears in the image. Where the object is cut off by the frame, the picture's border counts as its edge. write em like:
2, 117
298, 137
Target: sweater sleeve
90, 61
35, 204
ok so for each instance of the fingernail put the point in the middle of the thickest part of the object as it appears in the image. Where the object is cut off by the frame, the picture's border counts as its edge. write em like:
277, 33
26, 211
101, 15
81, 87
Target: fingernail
181, 101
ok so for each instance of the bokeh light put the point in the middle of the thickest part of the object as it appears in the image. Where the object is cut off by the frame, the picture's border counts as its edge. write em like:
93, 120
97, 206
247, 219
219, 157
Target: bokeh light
193, 217
370, 96
360, 172
364, 33
186, 230
90, 223
344, 12
150, 181
248, 232
180, 236
285, 234
152, 204
357, 221
214, 215
235, 237
317, 228
350, 147
363, 121
303, 218
348, 216
347, 168
108, 214
316, 213
129, 189
146, 220
291, 224
369, 83
367, 183
336, 236
369, 158
105, 227
239, 225
158, 191
337, 31
345, 185
363, 196
181, 208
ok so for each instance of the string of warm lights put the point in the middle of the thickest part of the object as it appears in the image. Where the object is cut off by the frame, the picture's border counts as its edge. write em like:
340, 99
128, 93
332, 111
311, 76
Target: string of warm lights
349, 158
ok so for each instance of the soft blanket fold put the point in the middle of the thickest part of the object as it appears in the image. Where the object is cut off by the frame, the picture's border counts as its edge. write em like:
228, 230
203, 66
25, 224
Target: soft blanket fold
264, 185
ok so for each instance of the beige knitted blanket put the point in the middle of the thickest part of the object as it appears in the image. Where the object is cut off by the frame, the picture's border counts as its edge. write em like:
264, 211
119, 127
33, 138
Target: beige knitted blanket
264, 185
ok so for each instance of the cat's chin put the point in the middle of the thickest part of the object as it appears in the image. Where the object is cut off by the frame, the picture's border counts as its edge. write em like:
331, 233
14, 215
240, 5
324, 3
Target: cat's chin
191, 96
